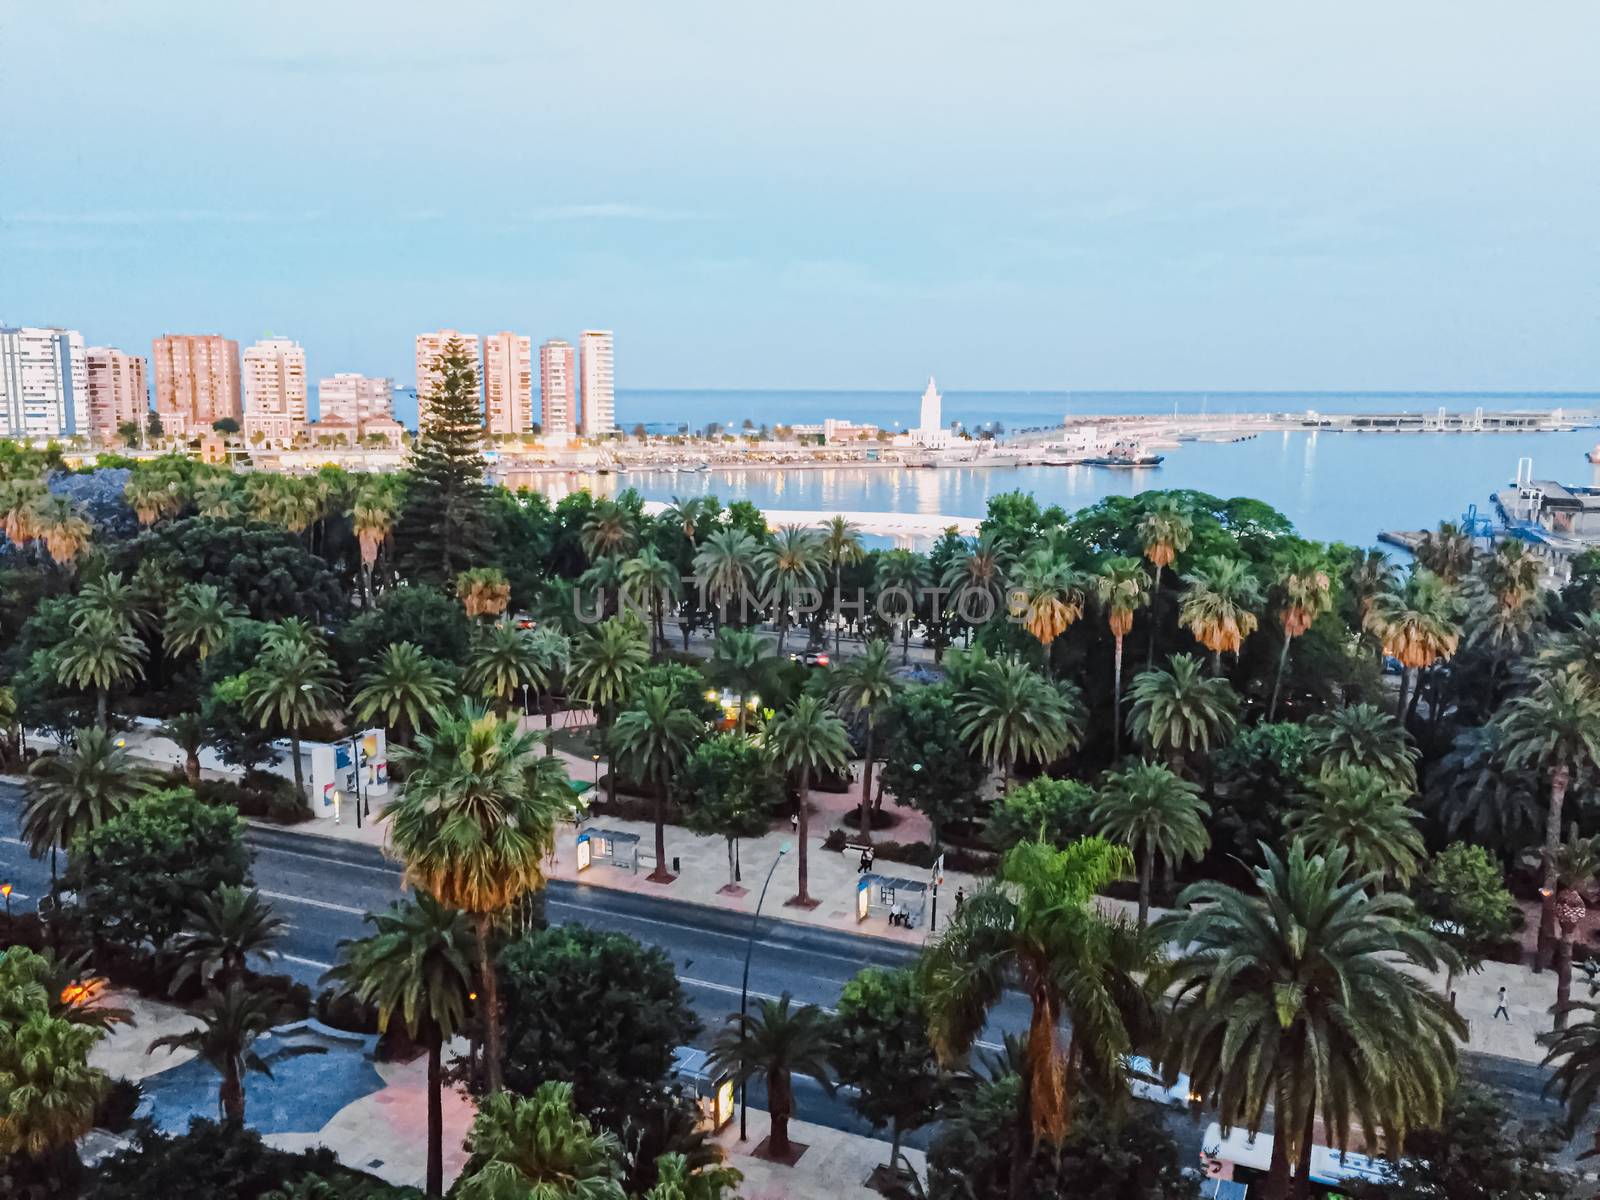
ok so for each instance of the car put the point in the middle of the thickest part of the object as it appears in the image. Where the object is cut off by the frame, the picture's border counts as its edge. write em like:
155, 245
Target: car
810, 658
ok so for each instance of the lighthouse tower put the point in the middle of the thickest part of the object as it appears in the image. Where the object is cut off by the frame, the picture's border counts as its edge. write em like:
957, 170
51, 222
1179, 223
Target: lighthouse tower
930, 429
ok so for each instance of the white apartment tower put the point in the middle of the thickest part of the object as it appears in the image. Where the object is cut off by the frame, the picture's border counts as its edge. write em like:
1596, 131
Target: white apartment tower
507, 383
44, 383
595, 371
429, 347
274, 391
558, 389
119, 391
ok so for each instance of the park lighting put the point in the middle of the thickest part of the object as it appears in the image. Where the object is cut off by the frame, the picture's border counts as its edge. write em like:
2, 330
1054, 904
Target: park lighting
5, 890
744, 987
711, 695
595, 758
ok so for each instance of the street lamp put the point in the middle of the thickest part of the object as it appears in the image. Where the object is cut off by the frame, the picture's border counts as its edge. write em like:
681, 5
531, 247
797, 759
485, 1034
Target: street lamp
5, 890
744, 987
596, 759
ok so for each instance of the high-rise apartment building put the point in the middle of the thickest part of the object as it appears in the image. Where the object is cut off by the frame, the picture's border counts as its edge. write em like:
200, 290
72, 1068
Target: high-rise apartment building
558, 389
599, 405
197, 381
119, 391
507, 383
429, 347
274, 391
44, 383
355, 399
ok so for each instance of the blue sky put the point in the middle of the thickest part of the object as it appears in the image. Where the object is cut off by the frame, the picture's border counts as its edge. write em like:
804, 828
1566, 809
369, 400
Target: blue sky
1249, 195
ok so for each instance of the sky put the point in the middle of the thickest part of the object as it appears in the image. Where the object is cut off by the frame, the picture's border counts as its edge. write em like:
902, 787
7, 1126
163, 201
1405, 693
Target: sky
1146, 194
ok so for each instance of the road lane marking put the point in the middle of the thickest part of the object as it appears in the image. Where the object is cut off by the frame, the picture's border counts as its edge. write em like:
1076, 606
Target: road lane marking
387, 872
329, 904
306, 962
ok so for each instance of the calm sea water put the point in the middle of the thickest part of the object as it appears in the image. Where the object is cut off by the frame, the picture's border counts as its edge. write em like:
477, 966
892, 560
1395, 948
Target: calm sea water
1333, 486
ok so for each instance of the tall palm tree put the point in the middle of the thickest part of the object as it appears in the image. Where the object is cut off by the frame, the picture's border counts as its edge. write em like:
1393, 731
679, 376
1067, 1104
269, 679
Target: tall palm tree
904, 572
688, 515
1554, 729
483, 592
1156, 814
231, 1022
499, 661
1179, 712
51, 1093
1417, 625
153, 496
861, 687
776, 1041
416, 966
650, 740
1166, 531
473, 826
552, 656
405, 686
1472, 791
1447, 552
606, 663
790, 567
1576, 648
216, 498
1305, 592
113, 595
1036, 928
1367, 576
222, 933
60, 524
1368, 814
373, 518
1512, 573
724, 569
1122, 588
99, 654
1011, 712
1219, 605
1307, 996
805, 739
1363, 735
652, 581
841, 548
198, 619
743, 662
291, 686
609, 531
1047, 596
977, 579
603, 579
19, 506
539, 1147
72, 794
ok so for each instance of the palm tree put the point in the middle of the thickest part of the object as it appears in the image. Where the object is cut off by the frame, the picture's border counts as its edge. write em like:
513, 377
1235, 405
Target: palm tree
1307, 997
1009, 711
978, 576
405, 685
1472, 790
1047, 597
153, 496
473, 826
905, 572
841, 548
647, 574
1166, 531
608, 531
293, 685
1178, 711
1037, 929
72, 794
499, 662
1363, 735
1218, 605
806, 739
1416, 625
190, 733
416, 965
1577, 865
606, 663
99, 654
1305, 593
1511, 574
1155, 814
52, 1095
689, 516
1447, 552
861, 687
216, 498
111, 595
1576, 648
19, 506
1367, 576
790, 567
222, 932
373, 519
603, 579
483, 592
198, 620
1554, 729
650, 740
552, 657
539, 1147
59, 523
724, 568
775, 1041
1122, 588
1366, 813
231, 1022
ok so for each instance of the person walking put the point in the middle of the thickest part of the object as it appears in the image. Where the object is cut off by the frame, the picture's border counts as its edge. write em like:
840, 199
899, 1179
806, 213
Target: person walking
1500, 1009
961, 898
868, 856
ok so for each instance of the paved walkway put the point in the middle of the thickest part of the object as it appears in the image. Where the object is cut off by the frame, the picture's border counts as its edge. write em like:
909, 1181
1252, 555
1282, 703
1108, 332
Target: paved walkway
835, 1165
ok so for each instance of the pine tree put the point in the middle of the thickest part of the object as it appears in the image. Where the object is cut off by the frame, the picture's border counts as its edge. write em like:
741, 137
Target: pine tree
445, 526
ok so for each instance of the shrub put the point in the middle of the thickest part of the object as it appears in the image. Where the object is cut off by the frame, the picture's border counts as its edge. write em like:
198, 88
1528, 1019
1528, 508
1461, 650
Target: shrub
118, 1106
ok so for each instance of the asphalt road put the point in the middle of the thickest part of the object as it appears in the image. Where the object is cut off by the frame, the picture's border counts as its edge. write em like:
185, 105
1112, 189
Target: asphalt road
324, 887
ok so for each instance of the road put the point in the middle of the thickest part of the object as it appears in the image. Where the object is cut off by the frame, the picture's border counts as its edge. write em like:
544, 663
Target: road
324, 887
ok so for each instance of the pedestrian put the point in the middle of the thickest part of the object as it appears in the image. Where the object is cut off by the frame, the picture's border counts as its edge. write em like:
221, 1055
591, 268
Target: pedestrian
794, 821
1500, 1009
961, 898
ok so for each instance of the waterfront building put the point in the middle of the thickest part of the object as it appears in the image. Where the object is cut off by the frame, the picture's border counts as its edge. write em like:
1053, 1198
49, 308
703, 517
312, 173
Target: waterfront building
429, 347
274, 392
930, 429
119, 391
507, 383
44, 383
197, 381
558, 382
597, 400
833, 430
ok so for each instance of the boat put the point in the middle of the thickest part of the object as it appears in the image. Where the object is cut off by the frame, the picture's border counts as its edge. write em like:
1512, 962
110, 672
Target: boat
1125, 454
1594, 455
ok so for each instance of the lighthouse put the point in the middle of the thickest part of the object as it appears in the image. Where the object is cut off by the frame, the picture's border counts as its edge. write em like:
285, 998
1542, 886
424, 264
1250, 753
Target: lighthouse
930, 429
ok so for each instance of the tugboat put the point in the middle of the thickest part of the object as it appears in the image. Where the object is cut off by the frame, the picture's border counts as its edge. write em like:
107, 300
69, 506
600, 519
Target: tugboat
1125, 455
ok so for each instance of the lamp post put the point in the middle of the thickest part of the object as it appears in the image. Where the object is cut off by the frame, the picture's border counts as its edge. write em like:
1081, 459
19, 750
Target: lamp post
744, 987
5, 890
355, 763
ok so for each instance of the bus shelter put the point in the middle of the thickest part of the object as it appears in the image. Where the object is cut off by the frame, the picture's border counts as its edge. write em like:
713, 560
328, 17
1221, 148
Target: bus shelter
596, 846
